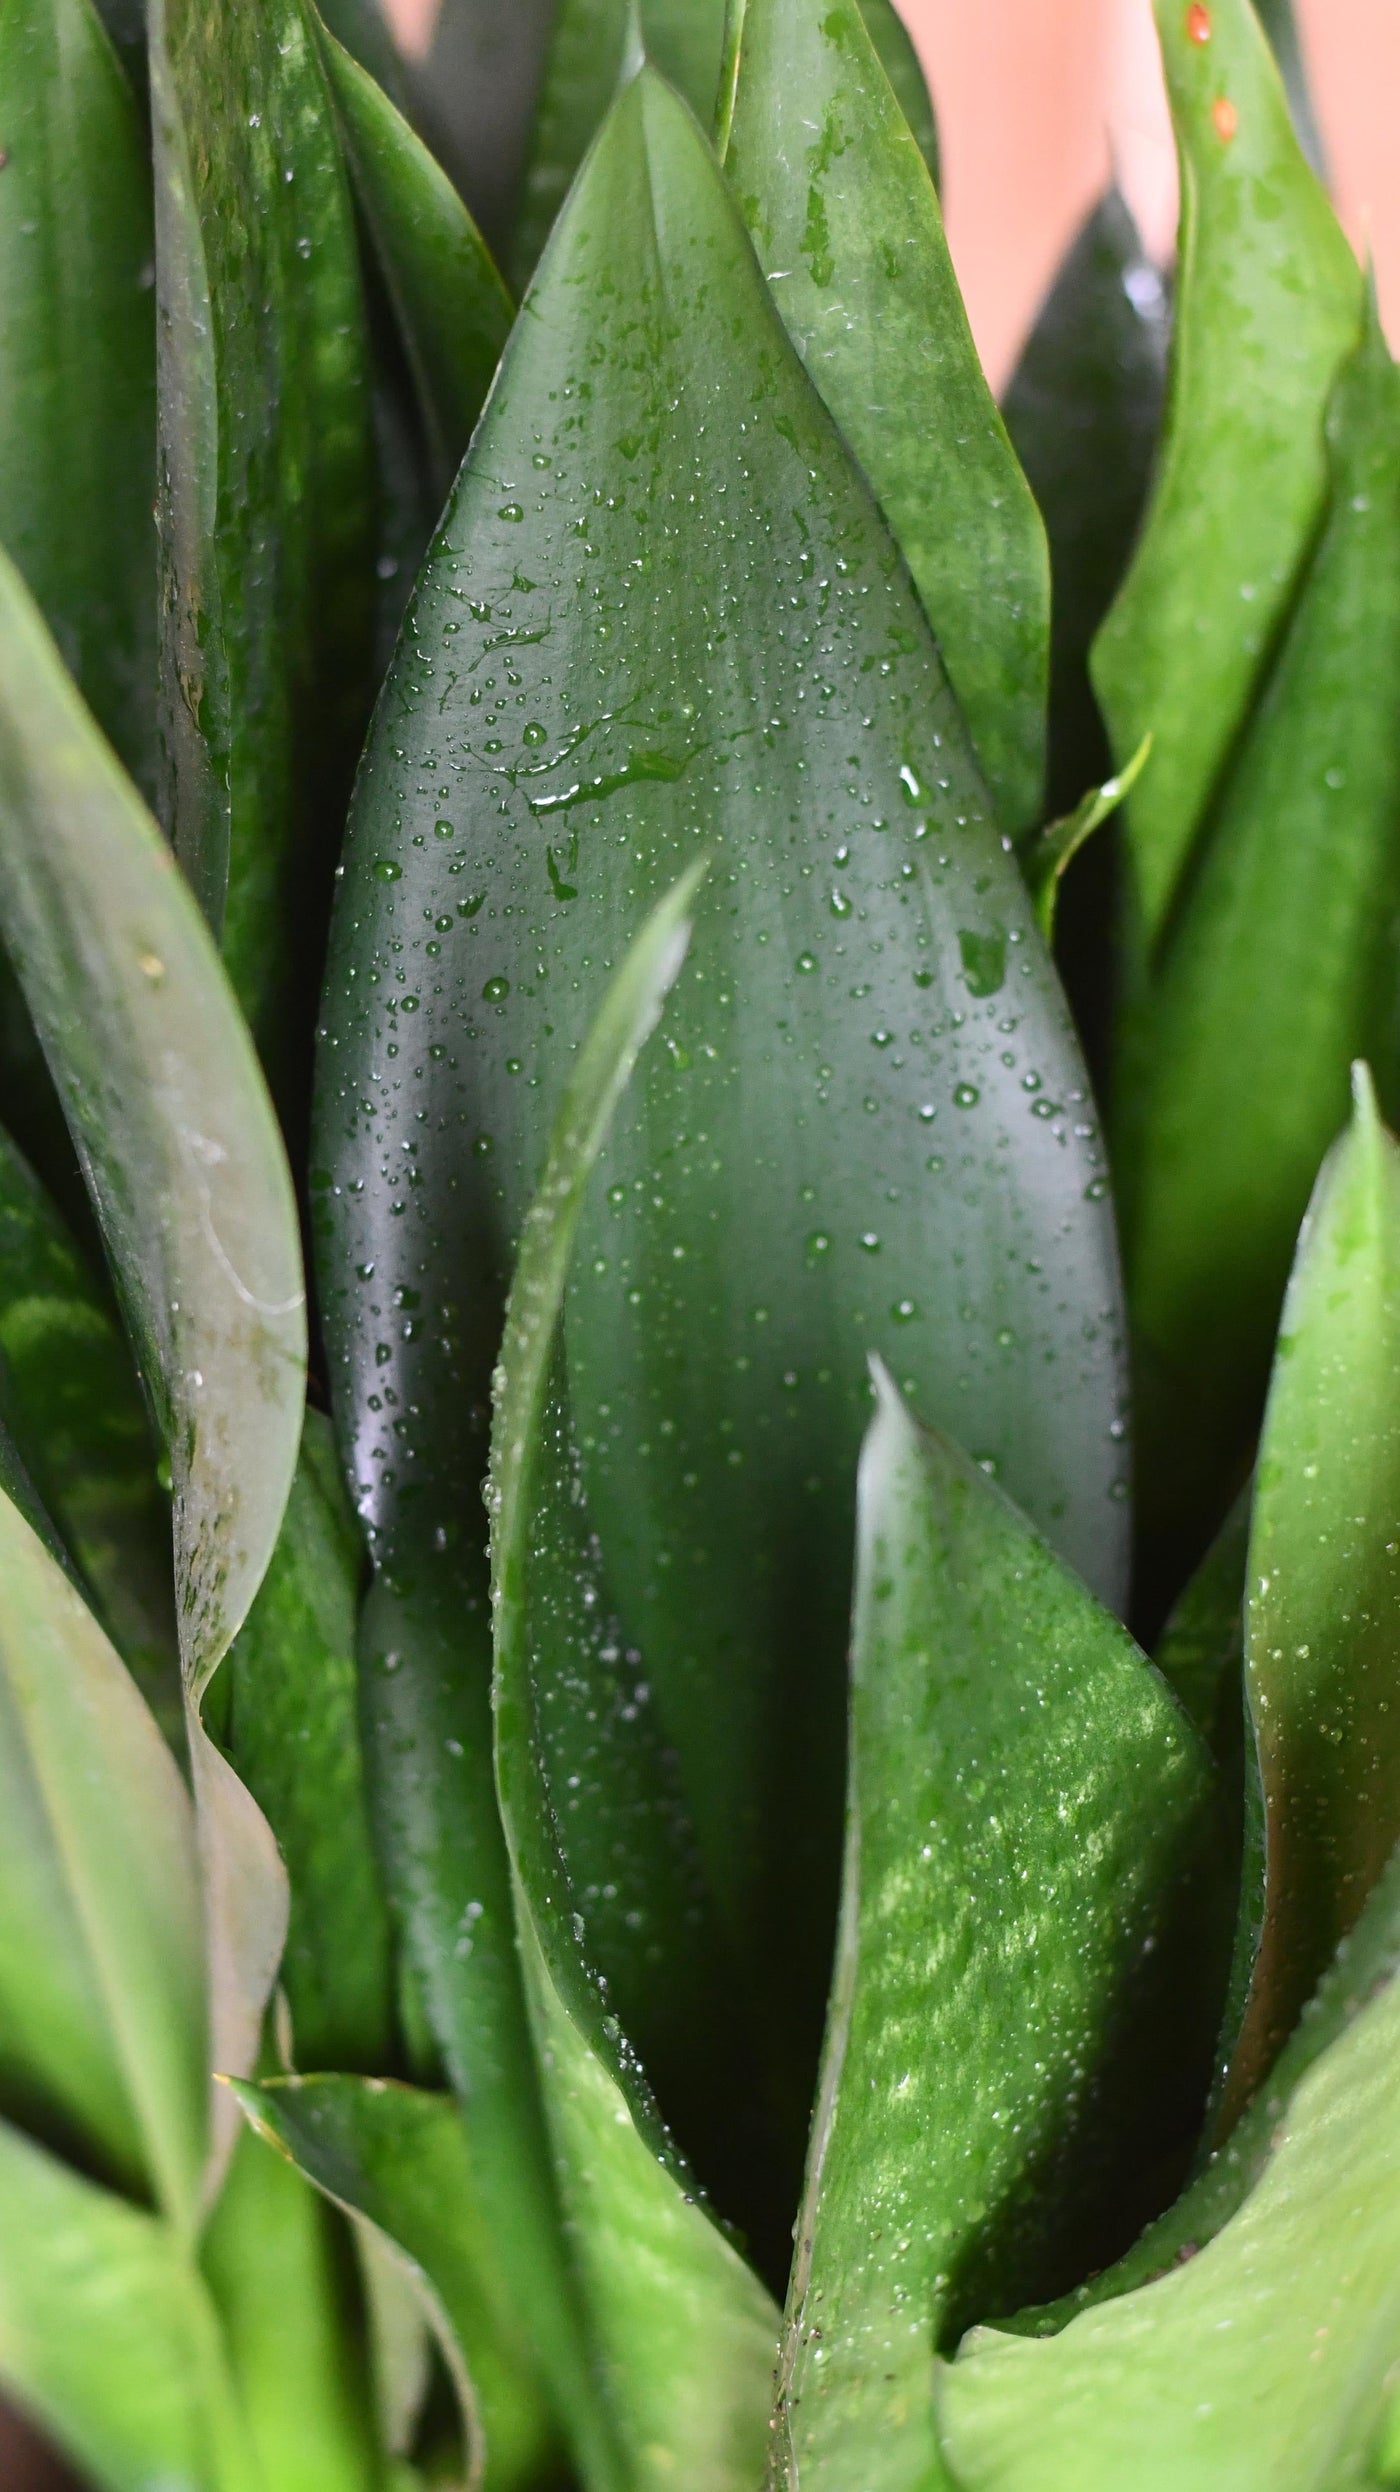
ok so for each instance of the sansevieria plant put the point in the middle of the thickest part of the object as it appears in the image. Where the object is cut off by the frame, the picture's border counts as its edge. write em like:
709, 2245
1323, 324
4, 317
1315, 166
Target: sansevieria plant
684, 1804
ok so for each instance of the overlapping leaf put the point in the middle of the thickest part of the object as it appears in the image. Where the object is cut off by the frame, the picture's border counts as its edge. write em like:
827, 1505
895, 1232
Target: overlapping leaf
1023, 1976
828, 175
1268, 306
474, 99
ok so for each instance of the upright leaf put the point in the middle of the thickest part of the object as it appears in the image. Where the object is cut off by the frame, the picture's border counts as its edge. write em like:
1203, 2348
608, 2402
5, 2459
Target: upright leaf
474, 100
102, 2007
1324, 1587
1022, 1930
1265, 2363
904, 70
1280, 24
1268, 305
873, 1046
266, 490
1281, 968
183, 1160
685, 2330
453, 312
77, 357
108, 2337
847, 226
402, 2162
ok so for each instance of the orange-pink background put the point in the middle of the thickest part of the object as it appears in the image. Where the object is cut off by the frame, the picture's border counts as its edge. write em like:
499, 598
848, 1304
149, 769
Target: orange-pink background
1036, 97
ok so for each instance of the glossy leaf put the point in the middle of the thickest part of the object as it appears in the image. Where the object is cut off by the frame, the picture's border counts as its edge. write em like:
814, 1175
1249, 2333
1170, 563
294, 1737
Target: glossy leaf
77, 354
276, 2273
183, 1160
453, 312
69, 1394
402, 2161
1022, 1931
107, 2335
1264, 2363
904, 70
685, 2331
362, 28
1049, 857
843, 1047
1324, 1587
1268, 304
847, 226
1083, 411
266, 491
293, 1732
102, 2010
1279, 971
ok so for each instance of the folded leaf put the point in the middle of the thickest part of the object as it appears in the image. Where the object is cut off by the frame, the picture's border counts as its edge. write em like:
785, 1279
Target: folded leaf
873, 1046
847, 227
77, 356
294, 1734
1268, 303
70, 1397
1324, 1587
1265, 2363
183, 1160
453, 312
1022, 1981
1278, 972
108, 2337
402, 2161
102, 2009
266, 492
685, 2331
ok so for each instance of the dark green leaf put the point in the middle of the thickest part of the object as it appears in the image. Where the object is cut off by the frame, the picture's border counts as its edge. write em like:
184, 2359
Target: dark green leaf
901, 65
270, 2258
583, 65
1201, 1652
69, 1395
266, 498
1280, 968
293, 1733
77, 357
1022, 1935
685, 2331
186, 1170
108, 2337
1083, 411
125, 21
1048, 858
1268, 304
1324, 1588
362, 28
847, 226
453, 311
403, 2161
102, 2010
474, 99
1265, 2363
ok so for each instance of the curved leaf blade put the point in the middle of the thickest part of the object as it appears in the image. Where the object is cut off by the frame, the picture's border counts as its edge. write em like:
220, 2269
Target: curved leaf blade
1268, 304
1023, 1927
77, 354
685, 2330
1281, 26
847, 226
904, 70
453, 312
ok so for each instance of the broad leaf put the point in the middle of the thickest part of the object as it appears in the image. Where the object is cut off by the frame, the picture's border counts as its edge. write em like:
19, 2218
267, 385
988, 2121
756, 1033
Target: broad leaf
69, 1395
1324, 1587
402, 2161
277, 2274
873, 1046
102, 2009
293, 1732
183, 1160
77, 357
108, 2337
1268, 304
1265, 2363
1279, 971
453, 312
1083, 412
1019, 1995
685, 2331
266, 499
847, 226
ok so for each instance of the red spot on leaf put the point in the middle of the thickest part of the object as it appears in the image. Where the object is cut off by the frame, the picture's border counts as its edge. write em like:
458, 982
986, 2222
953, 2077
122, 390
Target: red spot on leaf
1226, 119
1198, 25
